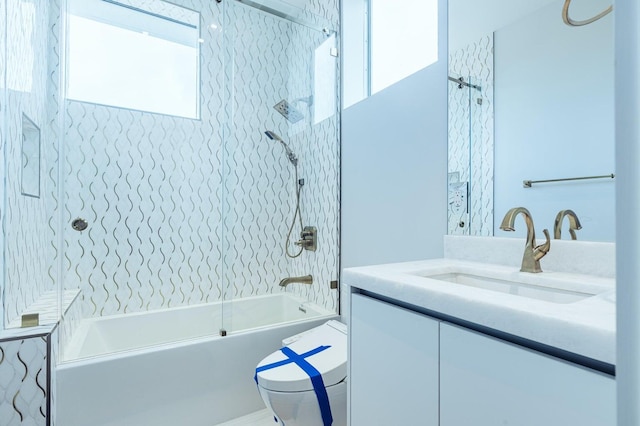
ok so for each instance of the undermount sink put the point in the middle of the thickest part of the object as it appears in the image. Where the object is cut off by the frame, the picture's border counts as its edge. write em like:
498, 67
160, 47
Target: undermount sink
542, 286
548, 294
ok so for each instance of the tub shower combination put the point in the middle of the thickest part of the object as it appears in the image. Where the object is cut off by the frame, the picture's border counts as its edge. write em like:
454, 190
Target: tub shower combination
183, 244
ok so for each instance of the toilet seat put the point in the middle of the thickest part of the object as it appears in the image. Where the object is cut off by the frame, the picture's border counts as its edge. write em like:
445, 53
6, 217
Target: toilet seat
324, 347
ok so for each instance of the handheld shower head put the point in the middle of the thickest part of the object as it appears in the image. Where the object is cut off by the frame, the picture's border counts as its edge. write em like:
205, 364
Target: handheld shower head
290, 155
273, 136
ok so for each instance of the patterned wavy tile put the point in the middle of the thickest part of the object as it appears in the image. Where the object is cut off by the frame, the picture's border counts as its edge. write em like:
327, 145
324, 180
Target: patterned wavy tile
23, 377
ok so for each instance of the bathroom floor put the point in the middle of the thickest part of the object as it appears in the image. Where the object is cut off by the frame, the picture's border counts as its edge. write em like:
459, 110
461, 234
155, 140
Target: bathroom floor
259, 418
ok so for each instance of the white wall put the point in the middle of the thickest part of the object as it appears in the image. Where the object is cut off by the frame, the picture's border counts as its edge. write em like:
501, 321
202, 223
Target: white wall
627, 17
394, 168
554, 119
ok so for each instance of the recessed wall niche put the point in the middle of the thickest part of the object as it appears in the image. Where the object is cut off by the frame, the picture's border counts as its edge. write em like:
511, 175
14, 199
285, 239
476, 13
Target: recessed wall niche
30, 181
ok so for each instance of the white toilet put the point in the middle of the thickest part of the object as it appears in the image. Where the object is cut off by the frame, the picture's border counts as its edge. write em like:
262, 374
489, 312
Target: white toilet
285, 378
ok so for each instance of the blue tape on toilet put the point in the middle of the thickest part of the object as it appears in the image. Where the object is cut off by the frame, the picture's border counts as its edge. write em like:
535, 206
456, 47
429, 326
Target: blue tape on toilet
314, 375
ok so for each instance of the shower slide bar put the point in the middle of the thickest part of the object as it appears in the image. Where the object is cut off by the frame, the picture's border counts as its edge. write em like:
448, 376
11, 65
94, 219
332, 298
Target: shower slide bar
460, 81
528, 183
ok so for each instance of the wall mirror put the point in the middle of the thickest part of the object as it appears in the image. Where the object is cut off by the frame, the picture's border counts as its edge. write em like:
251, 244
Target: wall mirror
30, 179
530, 98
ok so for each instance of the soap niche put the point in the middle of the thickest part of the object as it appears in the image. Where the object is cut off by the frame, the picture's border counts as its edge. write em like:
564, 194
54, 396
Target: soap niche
30, 179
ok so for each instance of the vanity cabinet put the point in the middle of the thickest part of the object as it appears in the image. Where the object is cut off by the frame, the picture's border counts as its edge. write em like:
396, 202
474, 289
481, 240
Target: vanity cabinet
485, 381
407, 368
393, 365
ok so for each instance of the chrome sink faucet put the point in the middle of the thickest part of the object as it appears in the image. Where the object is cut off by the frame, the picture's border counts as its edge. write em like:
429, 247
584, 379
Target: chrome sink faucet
532, 252
574, 224
307, 279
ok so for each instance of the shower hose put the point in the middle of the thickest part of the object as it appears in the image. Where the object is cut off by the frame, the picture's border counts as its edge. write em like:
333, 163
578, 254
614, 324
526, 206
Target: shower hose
297, 215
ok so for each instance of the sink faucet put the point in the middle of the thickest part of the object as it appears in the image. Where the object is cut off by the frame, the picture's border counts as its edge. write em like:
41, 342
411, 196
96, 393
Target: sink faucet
307, 279
532, 252
574, 224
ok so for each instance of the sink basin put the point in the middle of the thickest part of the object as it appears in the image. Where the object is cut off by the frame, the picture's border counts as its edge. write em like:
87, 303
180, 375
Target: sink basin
549, 287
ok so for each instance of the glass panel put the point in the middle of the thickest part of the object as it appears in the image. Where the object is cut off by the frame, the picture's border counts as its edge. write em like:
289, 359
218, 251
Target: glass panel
459, 162
166, 217
282, 79
471, 132
468, 212
148, 187
29, 168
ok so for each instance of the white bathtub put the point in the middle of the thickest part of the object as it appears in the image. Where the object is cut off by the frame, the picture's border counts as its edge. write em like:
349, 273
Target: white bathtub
171, 367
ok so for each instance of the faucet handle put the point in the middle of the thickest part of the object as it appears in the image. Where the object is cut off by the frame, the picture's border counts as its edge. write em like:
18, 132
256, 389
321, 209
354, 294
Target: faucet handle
541, 250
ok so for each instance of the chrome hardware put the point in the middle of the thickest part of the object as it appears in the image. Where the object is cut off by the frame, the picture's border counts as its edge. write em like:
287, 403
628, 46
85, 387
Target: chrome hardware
528, 183
574, 224
79, 224
223, 332
307, 279
462, 83
308, 238
302, 309
333, 285
532, 252
289, 112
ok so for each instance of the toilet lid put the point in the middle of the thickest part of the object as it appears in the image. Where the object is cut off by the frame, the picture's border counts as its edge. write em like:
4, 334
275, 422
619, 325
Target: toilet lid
325, 348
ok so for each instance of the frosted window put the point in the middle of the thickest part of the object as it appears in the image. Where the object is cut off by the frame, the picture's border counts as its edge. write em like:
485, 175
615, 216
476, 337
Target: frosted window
127, 57
404, 39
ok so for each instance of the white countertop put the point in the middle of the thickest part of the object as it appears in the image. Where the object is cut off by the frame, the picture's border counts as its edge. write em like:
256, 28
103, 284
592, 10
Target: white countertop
585, 327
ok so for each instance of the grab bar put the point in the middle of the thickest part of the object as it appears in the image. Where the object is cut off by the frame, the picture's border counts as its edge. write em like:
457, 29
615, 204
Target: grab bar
528, 183
572, 23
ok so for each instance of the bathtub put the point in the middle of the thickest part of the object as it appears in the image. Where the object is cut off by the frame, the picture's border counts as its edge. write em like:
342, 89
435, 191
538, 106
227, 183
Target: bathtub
171, 367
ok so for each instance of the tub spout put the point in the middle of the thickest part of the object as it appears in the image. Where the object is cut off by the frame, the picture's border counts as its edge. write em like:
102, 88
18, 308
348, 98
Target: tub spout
307, 279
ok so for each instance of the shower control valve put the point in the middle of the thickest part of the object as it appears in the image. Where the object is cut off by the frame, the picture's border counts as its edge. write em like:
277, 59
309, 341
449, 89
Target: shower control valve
308, 238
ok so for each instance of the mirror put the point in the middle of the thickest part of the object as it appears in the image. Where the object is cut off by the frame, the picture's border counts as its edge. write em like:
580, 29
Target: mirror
30, 180
530, 98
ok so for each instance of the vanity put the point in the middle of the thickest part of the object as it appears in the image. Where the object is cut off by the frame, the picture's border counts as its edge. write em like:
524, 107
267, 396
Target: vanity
470, 340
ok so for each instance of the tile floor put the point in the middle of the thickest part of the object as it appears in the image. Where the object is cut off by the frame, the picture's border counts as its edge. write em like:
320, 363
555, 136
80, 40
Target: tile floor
259, 418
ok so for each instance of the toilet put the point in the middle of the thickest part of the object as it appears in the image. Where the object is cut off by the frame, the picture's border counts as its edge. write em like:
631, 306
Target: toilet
305, 382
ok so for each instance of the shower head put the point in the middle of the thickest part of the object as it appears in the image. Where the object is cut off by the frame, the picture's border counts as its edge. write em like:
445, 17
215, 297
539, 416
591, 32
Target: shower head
290, 155
273, 136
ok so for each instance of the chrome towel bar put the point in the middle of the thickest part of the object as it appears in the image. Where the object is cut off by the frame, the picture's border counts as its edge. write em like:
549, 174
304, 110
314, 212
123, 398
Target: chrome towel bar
528, 183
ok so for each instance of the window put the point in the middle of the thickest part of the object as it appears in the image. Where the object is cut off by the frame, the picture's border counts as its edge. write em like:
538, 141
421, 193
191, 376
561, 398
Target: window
404, 39
131, 57
385, 41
